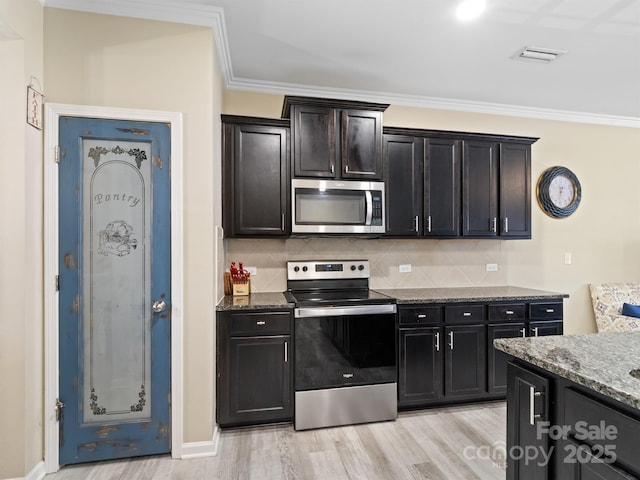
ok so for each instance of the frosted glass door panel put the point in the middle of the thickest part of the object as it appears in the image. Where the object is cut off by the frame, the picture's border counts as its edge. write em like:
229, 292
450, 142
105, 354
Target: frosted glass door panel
116, 280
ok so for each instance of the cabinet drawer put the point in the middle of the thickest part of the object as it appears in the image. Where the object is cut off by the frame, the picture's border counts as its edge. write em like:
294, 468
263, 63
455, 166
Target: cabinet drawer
464, 313
541, 311
420, 315
512, 311
260, 323
593, 414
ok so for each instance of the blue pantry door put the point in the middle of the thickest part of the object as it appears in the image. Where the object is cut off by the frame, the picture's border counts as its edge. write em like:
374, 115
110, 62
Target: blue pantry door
115, 298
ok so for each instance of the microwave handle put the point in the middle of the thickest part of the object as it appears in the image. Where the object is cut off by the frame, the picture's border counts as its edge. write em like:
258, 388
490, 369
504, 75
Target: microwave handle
367, 195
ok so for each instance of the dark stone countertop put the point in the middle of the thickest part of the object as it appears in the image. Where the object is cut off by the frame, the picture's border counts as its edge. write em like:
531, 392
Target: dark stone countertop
274, 300
255, 301
468, 294
599, 361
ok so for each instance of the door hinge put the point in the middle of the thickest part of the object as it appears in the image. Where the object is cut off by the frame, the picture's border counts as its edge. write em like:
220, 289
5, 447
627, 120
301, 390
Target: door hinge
56, 155
57, 283
59, 407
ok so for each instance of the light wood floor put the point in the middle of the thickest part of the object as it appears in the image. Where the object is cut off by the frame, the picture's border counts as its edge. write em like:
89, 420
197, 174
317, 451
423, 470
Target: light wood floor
442, 443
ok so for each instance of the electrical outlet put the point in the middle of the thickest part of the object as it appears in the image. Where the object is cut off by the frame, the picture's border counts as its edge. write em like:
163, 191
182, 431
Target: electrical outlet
492, 267
252, 270
404, 268
567, 258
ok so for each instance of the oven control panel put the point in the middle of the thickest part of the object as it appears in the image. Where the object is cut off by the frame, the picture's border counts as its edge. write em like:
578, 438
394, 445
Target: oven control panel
317, 270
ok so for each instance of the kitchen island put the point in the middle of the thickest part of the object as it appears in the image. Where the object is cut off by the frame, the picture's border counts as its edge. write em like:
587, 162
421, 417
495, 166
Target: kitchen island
573, 406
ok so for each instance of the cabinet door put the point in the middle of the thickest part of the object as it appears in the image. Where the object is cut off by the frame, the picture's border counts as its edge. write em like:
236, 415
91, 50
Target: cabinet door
515, 190
259, 380
542, 329
585, 466
361, 144
480, 189
314, 141
465, 361
441, 188
527, 404
497, 360
259, 186
420, 366
403, 184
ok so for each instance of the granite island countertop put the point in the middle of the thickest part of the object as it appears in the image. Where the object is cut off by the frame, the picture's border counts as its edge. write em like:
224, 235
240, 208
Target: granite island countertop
468, 294
599, 361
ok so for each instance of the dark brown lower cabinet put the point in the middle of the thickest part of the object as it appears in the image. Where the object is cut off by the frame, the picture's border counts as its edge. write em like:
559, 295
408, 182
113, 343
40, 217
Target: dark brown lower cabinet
420, 366
544, 328
497, 360
254, 376
527, 404
465, 358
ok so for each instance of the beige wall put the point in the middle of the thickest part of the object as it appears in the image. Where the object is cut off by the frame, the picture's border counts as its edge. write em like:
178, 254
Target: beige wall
602, 236
21, 292
122, 62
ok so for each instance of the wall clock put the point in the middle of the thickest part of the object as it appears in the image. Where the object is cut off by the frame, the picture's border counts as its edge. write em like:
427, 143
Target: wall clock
558, 192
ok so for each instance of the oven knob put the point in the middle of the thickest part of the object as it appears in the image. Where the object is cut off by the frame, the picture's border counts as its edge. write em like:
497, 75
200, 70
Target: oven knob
353, 267
360, 267
304, 269
296, 269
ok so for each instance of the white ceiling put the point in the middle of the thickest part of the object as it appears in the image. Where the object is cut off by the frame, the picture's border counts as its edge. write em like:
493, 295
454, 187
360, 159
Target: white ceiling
415, 52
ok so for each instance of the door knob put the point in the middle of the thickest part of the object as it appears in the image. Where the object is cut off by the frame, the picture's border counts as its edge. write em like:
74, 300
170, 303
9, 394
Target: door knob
159, 306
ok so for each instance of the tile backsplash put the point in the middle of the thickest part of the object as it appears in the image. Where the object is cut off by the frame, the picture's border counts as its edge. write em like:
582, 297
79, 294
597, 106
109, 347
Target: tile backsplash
434, 263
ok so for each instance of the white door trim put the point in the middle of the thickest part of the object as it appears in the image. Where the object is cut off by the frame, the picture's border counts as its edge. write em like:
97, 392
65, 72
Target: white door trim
52, 113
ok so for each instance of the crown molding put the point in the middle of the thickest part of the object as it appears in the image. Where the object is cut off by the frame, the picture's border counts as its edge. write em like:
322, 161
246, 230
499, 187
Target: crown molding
433, 102
195, 12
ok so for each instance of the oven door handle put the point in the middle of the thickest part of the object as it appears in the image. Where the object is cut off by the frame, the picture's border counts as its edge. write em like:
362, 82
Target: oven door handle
338, 311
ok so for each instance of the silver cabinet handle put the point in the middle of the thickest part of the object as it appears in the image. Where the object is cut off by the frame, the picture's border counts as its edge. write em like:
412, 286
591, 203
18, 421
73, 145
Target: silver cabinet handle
532, 405
421, 315
550, 310
283, 222
333, 168
509, 312
506, 224
429, 224
451, 340
494, 225
535, 331
466, 314
286, 352
523, 331
260, 322
346, 169
416, 226
437, 341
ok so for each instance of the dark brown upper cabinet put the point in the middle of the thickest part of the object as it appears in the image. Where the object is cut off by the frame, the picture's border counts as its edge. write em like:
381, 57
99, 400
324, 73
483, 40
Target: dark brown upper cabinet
442, 184
335, 138
255, 171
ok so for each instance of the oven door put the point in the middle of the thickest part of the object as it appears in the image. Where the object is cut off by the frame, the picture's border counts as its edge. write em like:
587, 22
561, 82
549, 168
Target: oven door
345, 346
329, 206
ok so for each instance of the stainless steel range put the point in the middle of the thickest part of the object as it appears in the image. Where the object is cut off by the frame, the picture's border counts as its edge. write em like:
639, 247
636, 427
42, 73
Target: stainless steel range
345, 345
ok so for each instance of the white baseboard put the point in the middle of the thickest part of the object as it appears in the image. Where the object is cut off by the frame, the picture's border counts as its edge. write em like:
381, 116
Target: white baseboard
202, 449
36, 473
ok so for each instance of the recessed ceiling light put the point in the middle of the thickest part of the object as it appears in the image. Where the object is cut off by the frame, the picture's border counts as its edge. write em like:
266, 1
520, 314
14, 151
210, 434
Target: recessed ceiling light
470, 9
539, 54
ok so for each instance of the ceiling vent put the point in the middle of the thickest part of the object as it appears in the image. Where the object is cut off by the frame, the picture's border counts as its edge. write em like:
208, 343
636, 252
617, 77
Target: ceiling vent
538, 54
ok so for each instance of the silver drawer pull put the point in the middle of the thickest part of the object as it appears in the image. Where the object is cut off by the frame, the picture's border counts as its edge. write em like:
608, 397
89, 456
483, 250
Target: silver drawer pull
532, 407
347, 375
437, 341
550, 310
261, 322
509, 312
466, 314
422, 315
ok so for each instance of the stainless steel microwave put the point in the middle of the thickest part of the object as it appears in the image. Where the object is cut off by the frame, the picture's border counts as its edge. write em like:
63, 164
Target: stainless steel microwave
337, 206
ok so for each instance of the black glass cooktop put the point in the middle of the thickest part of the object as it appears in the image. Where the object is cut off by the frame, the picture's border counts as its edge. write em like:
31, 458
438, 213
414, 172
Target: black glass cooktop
336, 297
